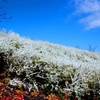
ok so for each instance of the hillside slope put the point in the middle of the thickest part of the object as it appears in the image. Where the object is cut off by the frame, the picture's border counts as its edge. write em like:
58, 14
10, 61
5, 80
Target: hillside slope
41, 64
48, 52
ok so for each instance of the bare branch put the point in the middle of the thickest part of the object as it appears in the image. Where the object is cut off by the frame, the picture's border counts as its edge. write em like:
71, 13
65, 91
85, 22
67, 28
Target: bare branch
3, 13
92, 48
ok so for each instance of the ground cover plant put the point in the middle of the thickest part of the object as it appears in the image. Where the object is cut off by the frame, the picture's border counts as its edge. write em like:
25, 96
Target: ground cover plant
40, 70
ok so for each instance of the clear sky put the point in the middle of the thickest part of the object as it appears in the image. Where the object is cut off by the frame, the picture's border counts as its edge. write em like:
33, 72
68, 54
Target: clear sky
66, 22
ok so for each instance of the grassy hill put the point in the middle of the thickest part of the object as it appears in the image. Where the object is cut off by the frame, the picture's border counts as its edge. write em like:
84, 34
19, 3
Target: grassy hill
49, 67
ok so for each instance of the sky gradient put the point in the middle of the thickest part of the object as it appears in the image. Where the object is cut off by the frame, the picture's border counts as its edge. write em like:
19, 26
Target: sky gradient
66, 22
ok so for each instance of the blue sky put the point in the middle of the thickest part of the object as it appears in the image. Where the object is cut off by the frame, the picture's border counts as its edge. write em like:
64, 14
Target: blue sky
66, 22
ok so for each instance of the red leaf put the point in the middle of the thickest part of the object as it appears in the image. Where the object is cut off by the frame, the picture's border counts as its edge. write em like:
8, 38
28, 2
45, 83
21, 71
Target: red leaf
18, 97
6, 98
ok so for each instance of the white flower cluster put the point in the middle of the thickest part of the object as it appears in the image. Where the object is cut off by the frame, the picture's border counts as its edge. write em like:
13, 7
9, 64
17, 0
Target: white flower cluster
53, 62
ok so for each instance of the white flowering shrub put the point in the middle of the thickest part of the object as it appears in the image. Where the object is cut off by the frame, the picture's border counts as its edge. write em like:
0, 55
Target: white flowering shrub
46, 66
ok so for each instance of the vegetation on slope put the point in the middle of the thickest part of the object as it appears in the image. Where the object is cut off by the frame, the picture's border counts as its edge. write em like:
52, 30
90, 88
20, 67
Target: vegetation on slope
50, 68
